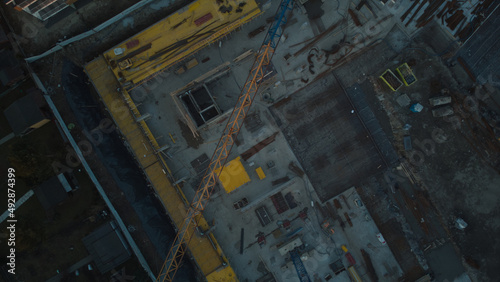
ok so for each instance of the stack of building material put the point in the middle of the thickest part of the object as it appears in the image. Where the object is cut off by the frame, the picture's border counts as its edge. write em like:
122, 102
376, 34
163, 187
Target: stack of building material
461, 18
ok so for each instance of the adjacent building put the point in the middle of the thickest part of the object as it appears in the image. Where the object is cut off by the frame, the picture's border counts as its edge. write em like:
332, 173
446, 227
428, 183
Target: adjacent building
41, 9
27, 113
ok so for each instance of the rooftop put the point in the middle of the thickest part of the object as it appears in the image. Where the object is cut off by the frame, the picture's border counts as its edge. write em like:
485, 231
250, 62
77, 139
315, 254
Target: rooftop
51, 192
10, 71
107, 247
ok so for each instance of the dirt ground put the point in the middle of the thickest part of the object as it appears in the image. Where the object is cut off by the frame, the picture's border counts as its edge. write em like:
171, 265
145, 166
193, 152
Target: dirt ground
326, 136
454, 159
54, 235
452, 169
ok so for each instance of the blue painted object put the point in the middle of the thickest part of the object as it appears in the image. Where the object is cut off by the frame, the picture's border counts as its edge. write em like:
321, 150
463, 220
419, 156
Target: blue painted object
299, 266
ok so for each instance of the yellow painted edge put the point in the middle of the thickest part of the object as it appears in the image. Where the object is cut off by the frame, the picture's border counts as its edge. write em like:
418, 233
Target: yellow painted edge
193, 6
227, 273
354, 274
401, 74
388, 84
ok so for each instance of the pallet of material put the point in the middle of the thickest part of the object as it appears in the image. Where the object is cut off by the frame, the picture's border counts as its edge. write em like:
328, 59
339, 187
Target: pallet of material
440, 100
263, 216
279, 203
243, 56
391, 80
406, 74
442, 111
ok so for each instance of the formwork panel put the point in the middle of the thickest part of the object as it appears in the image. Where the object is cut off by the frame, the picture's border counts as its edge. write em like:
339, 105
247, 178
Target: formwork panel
329, 139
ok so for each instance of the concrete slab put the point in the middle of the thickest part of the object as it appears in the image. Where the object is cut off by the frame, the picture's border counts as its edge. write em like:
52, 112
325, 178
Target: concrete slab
328, 138
481, 52
371, 124
444, 263
322, 130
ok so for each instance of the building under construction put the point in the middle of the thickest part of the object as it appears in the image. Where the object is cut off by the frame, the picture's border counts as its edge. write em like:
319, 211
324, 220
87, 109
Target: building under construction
302, 194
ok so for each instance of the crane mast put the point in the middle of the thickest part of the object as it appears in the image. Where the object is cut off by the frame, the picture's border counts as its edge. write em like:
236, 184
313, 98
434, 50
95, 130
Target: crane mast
225, 144
299, 266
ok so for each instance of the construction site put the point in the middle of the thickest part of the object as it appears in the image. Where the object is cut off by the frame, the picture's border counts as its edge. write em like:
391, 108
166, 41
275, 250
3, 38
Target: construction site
301, 140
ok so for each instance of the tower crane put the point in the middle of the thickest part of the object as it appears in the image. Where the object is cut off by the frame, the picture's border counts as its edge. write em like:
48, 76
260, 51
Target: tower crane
225, 144
299, 266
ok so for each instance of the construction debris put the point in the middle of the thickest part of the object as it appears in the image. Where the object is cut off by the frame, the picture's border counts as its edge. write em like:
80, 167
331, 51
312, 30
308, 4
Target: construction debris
462, 18
259, 146
442, 111
440, 100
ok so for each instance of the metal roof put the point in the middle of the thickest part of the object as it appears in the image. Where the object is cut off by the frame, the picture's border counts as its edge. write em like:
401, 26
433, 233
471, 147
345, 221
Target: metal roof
50, 193
24, 113
107, 247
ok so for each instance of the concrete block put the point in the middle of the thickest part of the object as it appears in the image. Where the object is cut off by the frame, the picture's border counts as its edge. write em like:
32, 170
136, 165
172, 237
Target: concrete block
441, 100
403, 100
180, 70
443, 111
407, 143
191, 64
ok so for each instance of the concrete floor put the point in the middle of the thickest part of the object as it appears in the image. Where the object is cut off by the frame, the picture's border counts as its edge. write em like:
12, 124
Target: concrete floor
459, 181
313, 101
327, 136
360, 159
